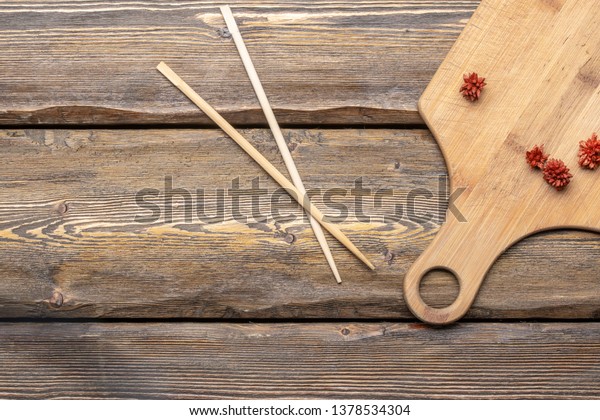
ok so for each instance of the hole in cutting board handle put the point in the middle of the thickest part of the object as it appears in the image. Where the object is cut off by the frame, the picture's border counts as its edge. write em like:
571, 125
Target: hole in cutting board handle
434, 315
439, 288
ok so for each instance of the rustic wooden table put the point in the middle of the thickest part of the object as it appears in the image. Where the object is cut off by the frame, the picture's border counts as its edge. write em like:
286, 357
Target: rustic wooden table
95, 304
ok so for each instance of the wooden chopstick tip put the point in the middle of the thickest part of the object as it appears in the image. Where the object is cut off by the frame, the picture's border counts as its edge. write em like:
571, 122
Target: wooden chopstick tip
162, 67
169, 74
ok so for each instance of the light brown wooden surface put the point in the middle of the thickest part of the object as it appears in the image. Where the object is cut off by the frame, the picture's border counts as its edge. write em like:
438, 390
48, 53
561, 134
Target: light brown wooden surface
71, 251
333, 360
76, 62
67, 226
542, 89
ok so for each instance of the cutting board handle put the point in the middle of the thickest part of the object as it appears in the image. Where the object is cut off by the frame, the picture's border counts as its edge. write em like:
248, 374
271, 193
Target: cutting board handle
464, 251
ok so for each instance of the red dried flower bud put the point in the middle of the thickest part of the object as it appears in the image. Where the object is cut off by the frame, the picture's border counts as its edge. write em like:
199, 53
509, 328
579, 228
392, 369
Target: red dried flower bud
472, 87
557, 174
536, 157
589, 152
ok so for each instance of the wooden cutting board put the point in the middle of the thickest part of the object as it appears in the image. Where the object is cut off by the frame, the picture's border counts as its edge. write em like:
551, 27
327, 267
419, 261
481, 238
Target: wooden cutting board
541, 61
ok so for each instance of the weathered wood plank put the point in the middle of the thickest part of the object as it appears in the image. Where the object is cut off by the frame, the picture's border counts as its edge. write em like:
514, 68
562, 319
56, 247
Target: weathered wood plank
380, 360
71, 247
335, 62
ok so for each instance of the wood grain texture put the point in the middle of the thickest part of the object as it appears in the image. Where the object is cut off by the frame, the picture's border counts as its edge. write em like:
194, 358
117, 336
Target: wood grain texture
334, 62
381, 360
262, 161
543, 88
70, 247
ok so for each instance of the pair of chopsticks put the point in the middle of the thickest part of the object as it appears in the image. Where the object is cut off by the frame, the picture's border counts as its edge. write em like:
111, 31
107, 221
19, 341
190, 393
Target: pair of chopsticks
296, 190
281, 144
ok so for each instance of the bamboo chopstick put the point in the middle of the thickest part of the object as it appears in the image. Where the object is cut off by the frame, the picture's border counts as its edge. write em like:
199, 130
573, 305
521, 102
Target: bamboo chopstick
302, 199
276, 130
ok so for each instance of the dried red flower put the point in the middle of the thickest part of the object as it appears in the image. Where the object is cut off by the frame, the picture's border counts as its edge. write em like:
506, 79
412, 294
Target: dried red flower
472, 87
557, 174
589, 152
536, 157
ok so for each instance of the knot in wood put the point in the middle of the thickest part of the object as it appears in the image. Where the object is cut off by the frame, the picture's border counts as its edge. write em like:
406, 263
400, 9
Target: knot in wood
290, 238
56, 300
224, 33
62, 207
